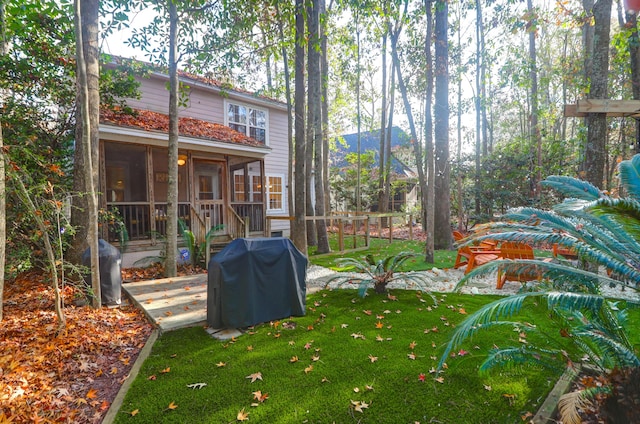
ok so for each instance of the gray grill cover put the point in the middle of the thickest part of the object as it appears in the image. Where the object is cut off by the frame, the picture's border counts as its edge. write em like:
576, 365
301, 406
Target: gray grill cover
256, 280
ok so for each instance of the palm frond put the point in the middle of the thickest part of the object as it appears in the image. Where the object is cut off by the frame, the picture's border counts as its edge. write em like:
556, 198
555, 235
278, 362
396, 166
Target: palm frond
571, 403
630, 176
519, 356
489, 313
612, 353
573, 187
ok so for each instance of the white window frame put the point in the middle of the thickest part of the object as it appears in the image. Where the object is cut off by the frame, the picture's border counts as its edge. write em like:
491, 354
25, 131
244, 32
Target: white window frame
248, 108
282, 194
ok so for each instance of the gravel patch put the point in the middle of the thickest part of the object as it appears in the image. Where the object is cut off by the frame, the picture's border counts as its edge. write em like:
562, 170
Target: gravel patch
445, 280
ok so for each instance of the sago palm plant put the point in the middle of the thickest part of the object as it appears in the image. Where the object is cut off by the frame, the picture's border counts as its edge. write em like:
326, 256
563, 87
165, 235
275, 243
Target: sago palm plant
604, 232
378, 273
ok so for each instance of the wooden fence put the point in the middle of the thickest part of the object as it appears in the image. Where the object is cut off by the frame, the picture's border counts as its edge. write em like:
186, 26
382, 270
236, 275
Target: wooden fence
358, 234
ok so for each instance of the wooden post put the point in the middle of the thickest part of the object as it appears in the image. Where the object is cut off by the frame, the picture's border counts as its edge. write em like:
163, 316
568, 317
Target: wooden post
267, 227
245, 230
340, 235
366, 231
390, 228
355, 232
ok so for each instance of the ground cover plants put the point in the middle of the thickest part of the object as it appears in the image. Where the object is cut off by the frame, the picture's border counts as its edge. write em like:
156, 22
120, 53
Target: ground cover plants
350, 359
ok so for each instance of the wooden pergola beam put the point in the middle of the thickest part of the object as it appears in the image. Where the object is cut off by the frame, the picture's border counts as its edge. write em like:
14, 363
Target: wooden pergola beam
612, 108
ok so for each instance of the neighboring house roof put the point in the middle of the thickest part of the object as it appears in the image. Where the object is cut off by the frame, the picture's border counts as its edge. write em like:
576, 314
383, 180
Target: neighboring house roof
189, 127
370, 141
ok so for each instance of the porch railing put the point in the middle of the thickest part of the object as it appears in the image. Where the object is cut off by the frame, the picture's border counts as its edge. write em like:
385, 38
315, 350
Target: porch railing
251, 212
237, 226
146, 223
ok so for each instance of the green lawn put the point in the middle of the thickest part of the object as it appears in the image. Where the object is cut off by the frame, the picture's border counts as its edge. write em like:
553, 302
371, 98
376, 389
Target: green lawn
349, 360
381, 248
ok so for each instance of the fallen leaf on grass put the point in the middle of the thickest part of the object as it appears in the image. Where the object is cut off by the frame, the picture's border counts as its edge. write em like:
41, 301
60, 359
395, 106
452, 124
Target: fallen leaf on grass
359, 405
172, 406
134, 412
255, 376
315, 358
487, 387
412, 345
242, 416
379, 324
259, 396
152, 377
221, 364
373, 358
421, 377
439, 379
308, 369
166, 370
411, 356
293, 359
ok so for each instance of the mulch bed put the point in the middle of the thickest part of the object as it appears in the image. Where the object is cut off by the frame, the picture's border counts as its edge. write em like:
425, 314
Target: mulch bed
68, 377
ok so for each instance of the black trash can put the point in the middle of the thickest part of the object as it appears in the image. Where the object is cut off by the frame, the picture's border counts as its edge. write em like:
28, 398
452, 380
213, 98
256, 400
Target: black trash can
256, 280
110, 272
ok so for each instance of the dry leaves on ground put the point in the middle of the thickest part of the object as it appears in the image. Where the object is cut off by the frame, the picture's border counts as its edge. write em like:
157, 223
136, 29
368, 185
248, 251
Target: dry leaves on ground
72, 377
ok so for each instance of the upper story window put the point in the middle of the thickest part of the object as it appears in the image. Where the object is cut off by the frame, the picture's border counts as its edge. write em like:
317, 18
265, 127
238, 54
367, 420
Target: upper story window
247, 120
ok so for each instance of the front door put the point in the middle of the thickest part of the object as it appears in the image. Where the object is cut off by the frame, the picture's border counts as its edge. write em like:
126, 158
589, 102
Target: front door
210, 193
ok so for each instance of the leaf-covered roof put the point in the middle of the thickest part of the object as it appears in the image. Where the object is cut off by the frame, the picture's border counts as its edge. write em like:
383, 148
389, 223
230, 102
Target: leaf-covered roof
189, 127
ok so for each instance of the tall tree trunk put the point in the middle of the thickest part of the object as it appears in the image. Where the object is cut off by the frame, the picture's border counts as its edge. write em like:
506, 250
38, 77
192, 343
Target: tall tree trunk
417, 146
478, 102
633, 45
429, 221
536, 139
315, 89
460, 193
387, 168
172, 185
287, 87
312, 105
81, 216
359, 118
324, 75
442, 211
3, 202
86, 21
383, 202
595, 151
299, 232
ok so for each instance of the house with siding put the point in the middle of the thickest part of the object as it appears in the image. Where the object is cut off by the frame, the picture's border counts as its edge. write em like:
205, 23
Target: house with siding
233, 163
405, 190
